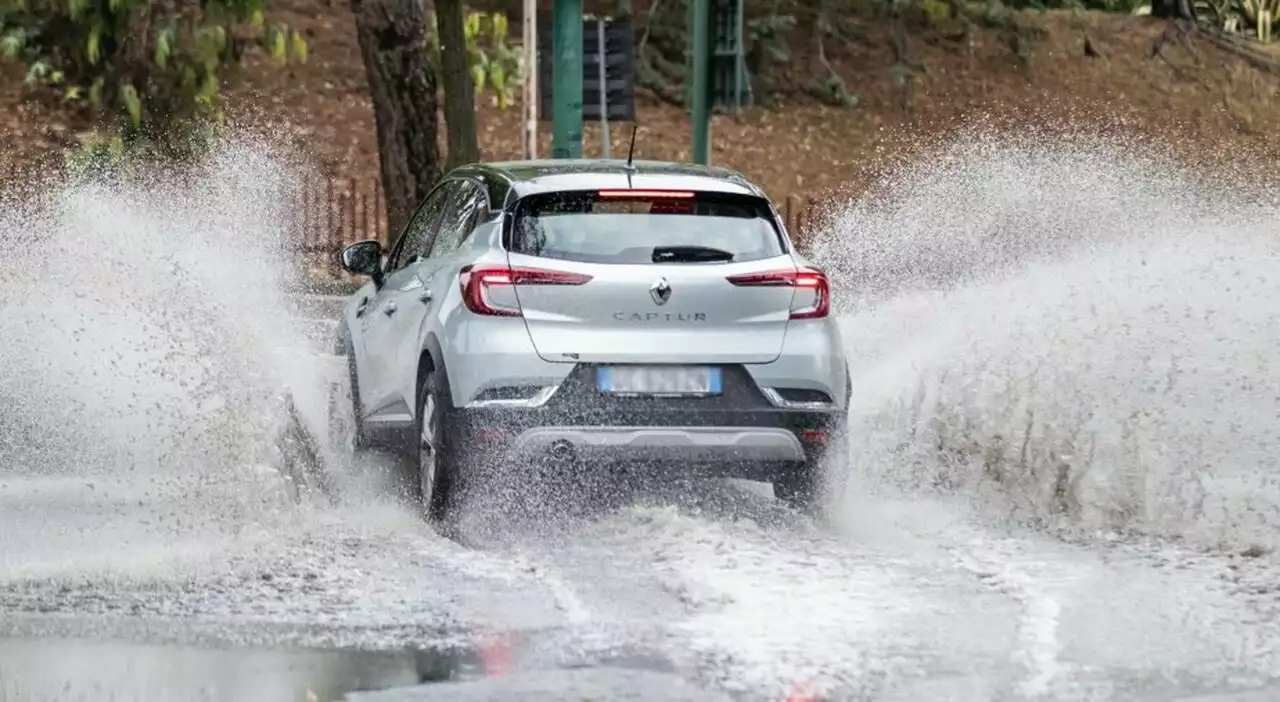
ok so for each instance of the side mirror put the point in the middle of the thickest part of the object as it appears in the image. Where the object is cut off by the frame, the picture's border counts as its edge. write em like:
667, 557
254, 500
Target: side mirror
363, 258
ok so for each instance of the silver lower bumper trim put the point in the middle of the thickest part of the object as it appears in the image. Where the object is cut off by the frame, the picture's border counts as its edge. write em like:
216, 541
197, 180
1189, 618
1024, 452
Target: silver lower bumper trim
667, 443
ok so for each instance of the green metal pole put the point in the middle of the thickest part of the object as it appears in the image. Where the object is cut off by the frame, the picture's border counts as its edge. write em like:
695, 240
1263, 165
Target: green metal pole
566, 72
701, 33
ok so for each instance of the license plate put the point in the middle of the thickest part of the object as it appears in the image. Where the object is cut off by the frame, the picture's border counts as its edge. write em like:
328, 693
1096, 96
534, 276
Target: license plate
658, 380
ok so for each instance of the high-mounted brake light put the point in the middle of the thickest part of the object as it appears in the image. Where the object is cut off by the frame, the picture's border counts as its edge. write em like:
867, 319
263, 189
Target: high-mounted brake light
476, 281
640, 194
814, 305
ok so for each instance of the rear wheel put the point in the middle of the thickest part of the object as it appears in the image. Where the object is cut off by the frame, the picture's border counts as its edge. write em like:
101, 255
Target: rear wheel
800, 488
437, 456
816, 485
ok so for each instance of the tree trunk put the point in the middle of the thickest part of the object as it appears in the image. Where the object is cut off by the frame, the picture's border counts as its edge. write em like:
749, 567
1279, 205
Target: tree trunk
1173, 9
459, 96
403, 87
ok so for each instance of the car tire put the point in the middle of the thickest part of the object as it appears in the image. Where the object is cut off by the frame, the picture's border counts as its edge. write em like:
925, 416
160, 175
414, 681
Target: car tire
437, 460
799, 488
815, 486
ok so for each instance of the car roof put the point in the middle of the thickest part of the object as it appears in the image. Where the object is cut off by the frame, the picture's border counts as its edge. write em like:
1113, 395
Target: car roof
509, 180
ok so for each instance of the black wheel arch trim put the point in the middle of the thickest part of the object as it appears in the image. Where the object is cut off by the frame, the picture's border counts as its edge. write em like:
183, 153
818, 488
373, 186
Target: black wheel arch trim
432, 347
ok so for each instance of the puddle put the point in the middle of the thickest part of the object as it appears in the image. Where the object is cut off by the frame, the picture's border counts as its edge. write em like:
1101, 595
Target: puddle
44, 669
69, 670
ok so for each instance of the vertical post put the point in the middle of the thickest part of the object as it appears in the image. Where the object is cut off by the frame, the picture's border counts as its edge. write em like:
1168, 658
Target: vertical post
330, 234
566, 94
604, 89
530, 133
302, 211
740, 84
351, 206
376, 210
701, 33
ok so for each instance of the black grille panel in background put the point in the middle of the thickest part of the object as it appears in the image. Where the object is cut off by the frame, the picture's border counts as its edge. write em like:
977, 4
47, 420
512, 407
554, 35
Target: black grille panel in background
619, 71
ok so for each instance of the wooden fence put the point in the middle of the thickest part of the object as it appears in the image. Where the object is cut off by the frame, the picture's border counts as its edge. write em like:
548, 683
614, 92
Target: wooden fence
330, 213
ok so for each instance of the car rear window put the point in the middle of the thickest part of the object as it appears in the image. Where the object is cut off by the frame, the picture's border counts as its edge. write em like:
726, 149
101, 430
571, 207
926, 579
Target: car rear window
645, 226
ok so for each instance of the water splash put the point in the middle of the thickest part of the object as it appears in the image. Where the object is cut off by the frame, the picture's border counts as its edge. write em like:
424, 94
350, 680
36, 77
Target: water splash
146, 325
1067, 330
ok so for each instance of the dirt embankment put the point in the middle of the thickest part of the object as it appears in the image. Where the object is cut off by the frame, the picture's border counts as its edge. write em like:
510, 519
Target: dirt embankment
1056, 70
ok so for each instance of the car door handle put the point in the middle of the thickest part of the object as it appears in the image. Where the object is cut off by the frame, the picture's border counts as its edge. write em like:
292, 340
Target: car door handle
360, 308
390, 309
425, 297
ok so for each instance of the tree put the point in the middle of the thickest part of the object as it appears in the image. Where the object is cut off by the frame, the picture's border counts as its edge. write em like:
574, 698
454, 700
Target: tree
402, 84
459, 98
153, 65
1173, 9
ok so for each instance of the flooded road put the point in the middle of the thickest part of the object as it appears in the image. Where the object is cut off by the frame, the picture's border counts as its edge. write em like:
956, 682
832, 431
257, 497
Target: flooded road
1063, 485
73, 670
62, 669
713, 590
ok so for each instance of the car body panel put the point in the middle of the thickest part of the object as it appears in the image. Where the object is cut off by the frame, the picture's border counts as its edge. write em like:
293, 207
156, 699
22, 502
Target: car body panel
614, 317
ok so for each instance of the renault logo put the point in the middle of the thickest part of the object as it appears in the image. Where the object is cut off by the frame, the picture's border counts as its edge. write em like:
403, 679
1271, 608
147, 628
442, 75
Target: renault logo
660, 292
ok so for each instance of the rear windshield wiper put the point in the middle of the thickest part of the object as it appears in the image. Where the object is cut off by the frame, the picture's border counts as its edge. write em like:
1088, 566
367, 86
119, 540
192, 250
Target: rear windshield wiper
689, 254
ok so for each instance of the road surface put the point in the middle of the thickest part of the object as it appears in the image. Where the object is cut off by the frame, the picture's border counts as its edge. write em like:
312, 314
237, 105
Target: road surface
192, 585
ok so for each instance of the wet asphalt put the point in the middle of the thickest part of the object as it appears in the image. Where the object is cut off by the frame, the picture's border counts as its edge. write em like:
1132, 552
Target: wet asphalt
133, 587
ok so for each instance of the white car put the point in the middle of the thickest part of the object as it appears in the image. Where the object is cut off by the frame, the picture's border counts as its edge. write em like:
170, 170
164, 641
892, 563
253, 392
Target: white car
588, 310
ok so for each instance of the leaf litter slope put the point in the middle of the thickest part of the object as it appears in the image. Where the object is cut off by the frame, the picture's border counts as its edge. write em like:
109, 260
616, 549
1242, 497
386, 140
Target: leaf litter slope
140, 498
1201, 97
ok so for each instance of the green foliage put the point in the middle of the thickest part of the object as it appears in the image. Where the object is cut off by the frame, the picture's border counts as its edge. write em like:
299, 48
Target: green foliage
1124, 6
936, 10
97, 152
1261, 14
834, 92
150, 65
1251, 17
766, 41
496, 66
1254, 18
124, 154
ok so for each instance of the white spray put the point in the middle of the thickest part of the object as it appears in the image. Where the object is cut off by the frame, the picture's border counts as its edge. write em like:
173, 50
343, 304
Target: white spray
1067, 330
146, 326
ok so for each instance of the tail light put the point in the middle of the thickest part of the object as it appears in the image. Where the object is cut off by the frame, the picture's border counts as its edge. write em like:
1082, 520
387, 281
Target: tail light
815, 305
477, 281
646, 194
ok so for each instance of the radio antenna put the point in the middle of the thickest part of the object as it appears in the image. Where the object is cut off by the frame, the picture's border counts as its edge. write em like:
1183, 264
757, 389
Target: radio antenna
631, 150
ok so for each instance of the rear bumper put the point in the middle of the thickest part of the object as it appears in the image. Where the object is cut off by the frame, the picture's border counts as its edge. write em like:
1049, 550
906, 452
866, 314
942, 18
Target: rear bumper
673, 444
750, 444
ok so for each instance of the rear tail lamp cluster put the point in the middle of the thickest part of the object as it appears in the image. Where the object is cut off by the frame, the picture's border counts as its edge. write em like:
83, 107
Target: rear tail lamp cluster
477, 282
812, 299
813, 290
